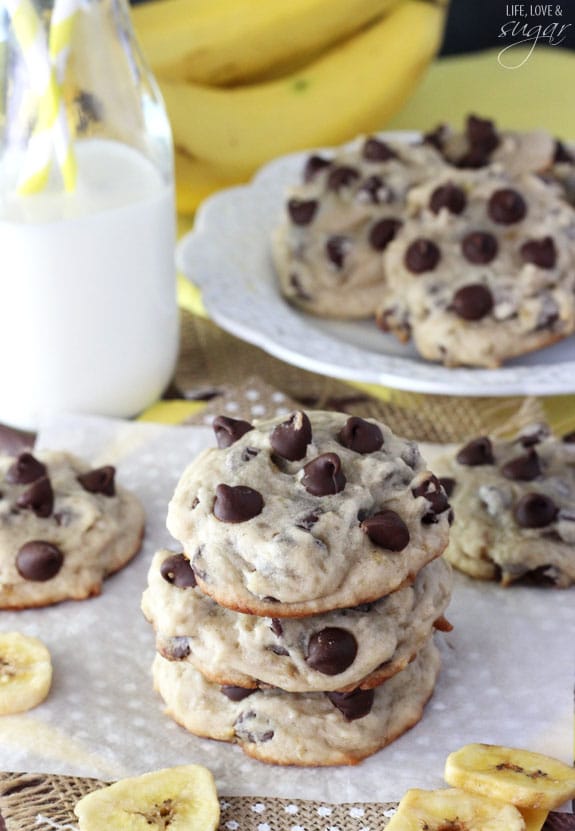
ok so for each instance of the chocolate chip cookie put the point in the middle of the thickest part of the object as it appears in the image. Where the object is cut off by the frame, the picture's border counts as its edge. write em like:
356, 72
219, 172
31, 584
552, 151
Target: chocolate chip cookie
341, 650
483, 271
299, 728
339, 219
63, 528
305, 514
514, 504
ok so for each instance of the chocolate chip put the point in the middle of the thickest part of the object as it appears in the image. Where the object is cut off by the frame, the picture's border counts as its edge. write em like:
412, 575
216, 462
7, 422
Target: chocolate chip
237, 504
38, 498
336, 248
13, 441
375, 150
276, 627
178, 571
432, 490
308, 521
474, 158
533, 434
523, 468
229, 430
386, 529
561, 154
25, 469
506, 206
436, 138
383, 232
360, 435
479, 247
246, 728
290, 439
299, 291
352, 705
472, 302
569, 438
249, 453
99, 480
302, 211
535, 510
314, 165
375, 190
176, 649
39, 561
448, 196
448, 484
342, 177
481, 134
236, 693
279, 650
331, 651
422, 255
540, 252
323, 475
476, 452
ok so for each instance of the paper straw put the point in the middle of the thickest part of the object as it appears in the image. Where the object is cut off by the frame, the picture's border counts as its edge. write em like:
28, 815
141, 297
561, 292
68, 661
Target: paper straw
51, 131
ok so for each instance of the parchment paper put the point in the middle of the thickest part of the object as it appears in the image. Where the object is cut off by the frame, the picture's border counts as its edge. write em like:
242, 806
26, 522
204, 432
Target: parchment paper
508, 666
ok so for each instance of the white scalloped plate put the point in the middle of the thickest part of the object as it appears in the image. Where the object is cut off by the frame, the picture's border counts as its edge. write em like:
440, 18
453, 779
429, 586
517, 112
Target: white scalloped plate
227, 255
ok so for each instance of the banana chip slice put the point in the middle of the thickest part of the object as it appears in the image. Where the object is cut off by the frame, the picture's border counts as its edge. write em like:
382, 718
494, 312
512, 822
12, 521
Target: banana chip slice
524, 778
452, 809
25, 672
181, 798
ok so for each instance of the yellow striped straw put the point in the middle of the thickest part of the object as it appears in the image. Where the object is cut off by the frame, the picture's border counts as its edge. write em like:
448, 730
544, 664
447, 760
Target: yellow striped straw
45, 62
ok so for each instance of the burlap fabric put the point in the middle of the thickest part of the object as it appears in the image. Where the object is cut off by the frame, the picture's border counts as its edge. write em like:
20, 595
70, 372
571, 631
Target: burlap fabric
30, 801
42, 801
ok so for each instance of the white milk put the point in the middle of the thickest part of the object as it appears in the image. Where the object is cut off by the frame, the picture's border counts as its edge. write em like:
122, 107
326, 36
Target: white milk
88, 313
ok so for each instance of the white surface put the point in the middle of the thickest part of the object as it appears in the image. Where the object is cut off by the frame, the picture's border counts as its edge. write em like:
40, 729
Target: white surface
508, 665
88, 312
227, 255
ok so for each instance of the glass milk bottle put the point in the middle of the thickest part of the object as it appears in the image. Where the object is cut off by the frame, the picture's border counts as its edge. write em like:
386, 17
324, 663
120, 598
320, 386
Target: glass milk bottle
88, 313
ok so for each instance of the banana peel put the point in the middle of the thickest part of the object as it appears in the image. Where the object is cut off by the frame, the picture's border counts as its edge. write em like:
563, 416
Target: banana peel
355, 87
219, 42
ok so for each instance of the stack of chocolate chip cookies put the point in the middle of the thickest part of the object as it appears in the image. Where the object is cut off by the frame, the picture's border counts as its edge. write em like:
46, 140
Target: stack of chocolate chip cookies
298, 619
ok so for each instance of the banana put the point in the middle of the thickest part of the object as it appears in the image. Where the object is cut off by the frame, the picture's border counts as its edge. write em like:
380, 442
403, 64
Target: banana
25, 672
231, 41
354, 87
194, 181
452, 809
181, 798
534, 818
521, 777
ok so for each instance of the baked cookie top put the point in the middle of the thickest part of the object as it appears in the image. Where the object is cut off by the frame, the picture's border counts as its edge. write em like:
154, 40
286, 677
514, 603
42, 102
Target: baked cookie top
299, 728
483, 270
63, 528
339, 650
514, 504
300, 515
340, 218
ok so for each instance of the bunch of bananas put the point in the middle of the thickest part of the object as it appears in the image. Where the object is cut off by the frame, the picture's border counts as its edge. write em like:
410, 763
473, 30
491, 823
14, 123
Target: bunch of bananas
247, 80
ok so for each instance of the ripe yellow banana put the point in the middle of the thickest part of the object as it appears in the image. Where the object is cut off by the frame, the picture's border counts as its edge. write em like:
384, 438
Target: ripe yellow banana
232, 41
354, 87
180, 798
25, 672
194, 181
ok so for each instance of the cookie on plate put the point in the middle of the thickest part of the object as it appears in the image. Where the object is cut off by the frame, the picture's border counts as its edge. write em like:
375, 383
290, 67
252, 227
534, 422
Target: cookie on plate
299, 728
327, 251
305, 514
340, 650
481, 144
63, 528
514, 504
484, 271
